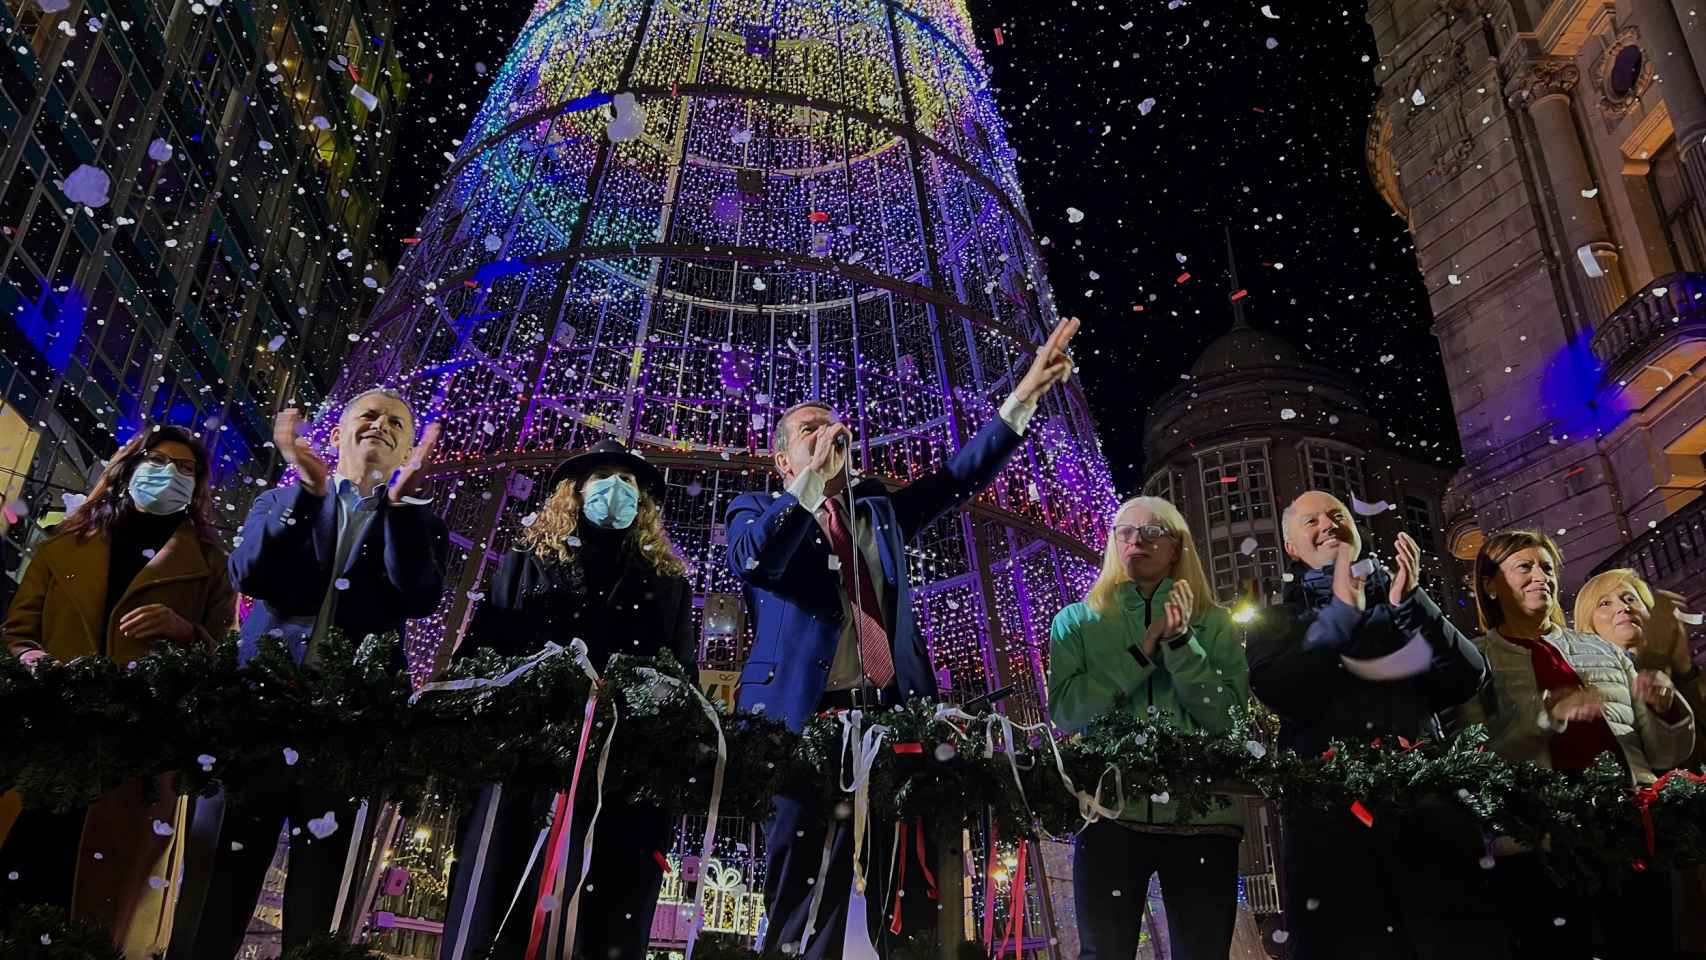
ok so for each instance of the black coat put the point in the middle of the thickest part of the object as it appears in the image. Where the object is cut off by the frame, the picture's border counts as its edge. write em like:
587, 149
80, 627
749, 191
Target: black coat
612, 599
1294, 652
531, 600
1408, 885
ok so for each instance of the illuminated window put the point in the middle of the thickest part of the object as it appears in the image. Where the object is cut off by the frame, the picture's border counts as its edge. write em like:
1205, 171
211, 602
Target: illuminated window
1335, 469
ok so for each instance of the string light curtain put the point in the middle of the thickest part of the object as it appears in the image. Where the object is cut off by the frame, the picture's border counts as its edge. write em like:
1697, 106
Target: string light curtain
673, 219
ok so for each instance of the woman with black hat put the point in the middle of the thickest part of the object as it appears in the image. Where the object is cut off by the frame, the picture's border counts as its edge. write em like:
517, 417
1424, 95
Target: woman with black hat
594, 564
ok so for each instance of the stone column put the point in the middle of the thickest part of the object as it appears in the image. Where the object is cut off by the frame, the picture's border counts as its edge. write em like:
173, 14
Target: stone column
1544, 87
1677, 78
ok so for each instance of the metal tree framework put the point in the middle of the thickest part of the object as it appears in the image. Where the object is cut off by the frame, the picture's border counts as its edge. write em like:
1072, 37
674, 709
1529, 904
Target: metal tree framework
809, 200
821, 205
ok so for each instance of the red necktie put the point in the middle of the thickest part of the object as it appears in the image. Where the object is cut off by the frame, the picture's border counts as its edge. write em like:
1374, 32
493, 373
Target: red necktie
874, 650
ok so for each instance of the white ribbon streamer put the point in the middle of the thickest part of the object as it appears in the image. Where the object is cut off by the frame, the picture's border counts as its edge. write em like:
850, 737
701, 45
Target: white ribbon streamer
566, 945
707, 847
485, 683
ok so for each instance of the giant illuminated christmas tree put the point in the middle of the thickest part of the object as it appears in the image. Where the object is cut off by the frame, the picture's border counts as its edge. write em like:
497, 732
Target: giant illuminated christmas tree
671, 220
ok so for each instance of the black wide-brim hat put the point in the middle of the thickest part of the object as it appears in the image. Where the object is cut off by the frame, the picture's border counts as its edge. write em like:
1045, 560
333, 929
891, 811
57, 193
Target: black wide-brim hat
610, 453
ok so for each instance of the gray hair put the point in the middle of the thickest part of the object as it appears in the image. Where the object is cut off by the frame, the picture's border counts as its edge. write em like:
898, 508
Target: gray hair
383, 392
778, 438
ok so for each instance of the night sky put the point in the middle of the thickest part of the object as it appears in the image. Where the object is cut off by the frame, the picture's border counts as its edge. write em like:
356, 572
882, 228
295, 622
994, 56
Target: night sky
1258, 124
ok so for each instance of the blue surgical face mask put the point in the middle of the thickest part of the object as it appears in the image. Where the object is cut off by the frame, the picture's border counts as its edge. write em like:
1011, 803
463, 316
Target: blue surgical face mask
611, 503
161, 490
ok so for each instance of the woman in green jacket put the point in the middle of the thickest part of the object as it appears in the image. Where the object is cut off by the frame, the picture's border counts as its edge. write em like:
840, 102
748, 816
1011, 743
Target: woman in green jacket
1150, 639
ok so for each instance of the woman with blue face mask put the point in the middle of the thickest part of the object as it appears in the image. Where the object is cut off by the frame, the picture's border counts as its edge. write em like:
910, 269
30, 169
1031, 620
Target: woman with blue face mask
593, 563
137, 567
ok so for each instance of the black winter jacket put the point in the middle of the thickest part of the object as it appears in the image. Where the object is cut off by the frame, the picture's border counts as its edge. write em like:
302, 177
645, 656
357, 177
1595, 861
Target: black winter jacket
1295, 668
608, 596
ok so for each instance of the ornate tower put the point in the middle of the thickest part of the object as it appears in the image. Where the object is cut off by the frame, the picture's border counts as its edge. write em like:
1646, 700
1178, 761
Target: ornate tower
673, 219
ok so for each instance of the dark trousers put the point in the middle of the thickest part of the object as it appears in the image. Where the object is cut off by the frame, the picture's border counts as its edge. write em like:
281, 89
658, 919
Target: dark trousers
1111, 867
621, 892
42, 850
248, 838
794, 844
1409, 887
1629, 921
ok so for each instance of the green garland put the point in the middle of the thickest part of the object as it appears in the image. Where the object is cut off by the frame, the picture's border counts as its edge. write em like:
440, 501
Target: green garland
348, 724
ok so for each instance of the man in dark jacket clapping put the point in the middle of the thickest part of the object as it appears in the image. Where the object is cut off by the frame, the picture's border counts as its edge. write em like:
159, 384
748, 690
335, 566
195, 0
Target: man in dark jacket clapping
1353, 658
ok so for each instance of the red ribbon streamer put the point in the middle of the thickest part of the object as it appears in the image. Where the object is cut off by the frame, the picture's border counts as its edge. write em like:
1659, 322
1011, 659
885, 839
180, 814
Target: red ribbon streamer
900, 881
923, 867
1016, 910
1648, 795
562, 813
1362, 813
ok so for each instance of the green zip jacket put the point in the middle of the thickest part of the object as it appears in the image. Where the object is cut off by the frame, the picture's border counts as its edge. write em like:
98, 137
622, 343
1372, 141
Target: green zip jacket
1193, 681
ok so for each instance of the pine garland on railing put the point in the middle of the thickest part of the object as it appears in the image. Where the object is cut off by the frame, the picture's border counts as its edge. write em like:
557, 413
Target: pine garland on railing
348, 724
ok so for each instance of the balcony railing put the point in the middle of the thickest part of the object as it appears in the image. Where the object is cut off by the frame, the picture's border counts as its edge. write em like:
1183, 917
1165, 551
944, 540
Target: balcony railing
1672, 555
1646, 319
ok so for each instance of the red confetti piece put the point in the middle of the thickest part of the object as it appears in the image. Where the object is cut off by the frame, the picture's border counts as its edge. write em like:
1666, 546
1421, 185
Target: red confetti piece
1228, 479
1639, 866
1361, 813
470, 284
1329, 754
661, 860
909, 748
1259, 109
1406, 744
1137, 308
817, 216
675, 89
1000, 38
1183, 277
354, 74
1240, 295
1375, 743
1575, 471
411, 241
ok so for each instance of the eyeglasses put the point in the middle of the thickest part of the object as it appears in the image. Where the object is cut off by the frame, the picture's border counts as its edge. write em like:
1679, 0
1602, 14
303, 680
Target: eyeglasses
1149, 533
186, 467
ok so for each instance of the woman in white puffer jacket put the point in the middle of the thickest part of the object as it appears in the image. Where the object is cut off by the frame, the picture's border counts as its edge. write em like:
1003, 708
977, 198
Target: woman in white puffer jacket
1561, 699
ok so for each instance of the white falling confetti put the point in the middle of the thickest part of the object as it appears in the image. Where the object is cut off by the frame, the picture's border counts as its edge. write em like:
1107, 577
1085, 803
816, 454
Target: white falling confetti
88, 185
160, 151
275, 343
1590, 266
1248, 547
53, 6
323, 827
1364, 509
1418, 98
162, 828
1288, 414
494, 243
1146, 105
1268, 11
1256, 749
1363, 569
1074, 215
366, 97
290, 757
630, 119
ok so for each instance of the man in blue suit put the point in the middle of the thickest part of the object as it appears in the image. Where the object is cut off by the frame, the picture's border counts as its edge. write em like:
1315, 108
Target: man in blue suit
826, 584
350, 548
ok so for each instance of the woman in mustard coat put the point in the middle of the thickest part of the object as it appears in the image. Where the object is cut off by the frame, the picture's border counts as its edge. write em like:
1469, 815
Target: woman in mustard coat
138, 566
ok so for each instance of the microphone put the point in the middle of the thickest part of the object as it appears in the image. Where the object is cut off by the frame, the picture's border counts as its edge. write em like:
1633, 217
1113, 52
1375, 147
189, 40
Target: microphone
841, 441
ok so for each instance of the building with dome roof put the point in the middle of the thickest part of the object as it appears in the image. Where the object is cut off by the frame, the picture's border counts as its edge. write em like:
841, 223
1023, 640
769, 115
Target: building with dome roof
1254, 425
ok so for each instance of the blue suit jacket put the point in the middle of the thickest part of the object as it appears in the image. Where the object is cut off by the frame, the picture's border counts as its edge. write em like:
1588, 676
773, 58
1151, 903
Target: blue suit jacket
284, 562
780, 552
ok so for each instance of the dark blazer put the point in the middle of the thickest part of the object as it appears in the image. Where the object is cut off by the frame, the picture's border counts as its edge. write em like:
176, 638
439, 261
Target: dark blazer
284, 561
779, 550
531, 600
1294, 652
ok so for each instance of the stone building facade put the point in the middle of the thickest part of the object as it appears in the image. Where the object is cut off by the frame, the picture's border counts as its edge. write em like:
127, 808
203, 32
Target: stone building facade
1547, 155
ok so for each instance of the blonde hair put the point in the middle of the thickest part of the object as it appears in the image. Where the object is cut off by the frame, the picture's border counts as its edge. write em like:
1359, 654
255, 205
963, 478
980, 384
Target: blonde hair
1187, 566
555, 523
1496, 550
1602, 585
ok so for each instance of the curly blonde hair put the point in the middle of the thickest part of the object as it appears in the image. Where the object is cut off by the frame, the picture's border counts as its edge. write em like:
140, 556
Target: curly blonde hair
555, 523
